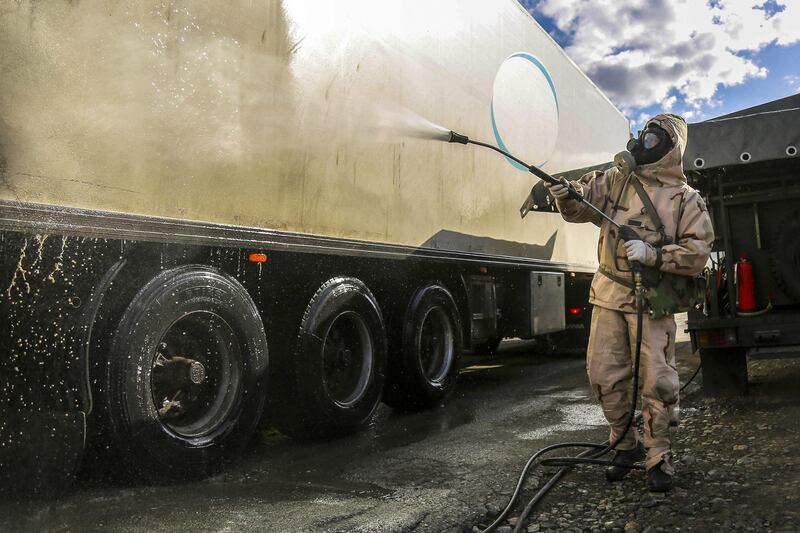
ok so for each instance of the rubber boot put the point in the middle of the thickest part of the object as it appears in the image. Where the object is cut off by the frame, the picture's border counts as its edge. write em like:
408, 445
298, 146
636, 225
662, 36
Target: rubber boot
623, 459
658, 480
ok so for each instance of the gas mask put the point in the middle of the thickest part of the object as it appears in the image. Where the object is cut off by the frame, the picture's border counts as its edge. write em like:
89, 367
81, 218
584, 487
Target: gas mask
652, 144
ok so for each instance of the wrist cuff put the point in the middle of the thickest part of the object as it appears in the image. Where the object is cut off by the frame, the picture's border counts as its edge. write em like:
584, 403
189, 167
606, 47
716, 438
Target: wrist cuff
651, 255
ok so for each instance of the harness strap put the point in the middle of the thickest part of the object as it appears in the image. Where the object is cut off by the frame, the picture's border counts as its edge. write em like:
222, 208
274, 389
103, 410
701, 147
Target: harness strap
613, 277
649, 207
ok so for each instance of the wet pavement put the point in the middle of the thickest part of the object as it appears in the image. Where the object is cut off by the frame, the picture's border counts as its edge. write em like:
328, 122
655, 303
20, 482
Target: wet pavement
452, 468
425, 471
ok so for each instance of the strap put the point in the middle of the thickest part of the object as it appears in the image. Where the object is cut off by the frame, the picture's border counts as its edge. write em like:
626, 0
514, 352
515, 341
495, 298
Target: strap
648, 206
621, 191
613, 277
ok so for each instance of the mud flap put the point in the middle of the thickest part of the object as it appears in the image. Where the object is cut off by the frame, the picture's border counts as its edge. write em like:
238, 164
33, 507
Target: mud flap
724, 371
40, 452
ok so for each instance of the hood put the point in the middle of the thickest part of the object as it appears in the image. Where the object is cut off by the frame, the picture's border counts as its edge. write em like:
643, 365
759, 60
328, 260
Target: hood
667, 171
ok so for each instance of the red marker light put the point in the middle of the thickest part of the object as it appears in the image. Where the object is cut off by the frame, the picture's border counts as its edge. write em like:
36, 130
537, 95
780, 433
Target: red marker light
483, 270
257, 258
574, 311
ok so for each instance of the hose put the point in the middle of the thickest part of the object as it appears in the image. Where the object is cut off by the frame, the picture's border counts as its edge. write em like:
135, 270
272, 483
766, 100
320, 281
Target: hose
595, 451
580, 458
588, 456
759, 312
585, 457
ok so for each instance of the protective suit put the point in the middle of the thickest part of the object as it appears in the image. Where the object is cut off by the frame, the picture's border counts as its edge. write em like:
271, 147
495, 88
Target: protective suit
682, 246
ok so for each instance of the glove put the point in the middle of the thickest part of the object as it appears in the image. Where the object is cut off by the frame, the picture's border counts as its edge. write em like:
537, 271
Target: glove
640, 252
560, 191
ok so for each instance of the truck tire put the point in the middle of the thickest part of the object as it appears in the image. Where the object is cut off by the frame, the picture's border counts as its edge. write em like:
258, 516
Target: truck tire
184, 386
724, 371
339, 362
424, 360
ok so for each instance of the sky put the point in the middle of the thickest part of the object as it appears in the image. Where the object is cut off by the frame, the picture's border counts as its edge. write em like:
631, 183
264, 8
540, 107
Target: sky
698, 58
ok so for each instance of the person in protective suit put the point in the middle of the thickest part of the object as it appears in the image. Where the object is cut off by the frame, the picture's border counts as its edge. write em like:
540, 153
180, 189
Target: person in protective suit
679, 243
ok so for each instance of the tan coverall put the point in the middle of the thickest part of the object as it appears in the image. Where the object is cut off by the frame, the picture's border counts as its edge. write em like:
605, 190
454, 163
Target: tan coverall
613, 329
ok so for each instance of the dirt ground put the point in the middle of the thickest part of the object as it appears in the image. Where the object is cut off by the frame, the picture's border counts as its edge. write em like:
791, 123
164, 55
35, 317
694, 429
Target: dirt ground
736, 459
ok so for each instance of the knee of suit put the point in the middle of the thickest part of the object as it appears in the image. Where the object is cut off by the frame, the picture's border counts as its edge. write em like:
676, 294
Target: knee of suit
608, 379
665, 390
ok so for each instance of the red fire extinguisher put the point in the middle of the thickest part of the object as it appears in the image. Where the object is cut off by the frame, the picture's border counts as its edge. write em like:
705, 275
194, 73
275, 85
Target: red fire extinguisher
746, 286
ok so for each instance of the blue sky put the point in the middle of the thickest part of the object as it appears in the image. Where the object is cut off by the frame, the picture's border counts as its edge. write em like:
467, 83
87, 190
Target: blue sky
699, 58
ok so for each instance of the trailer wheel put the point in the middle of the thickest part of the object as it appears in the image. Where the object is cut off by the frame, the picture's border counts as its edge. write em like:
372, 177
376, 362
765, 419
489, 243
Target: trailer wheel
424, 364
724, 371
185, 380
340, 362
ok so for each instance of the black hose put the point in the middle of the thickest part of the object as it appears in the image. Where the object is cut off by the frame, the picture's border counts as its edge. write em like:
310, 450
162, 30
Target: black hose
559, 474
503, 152
694, 375
585, 457
569, 461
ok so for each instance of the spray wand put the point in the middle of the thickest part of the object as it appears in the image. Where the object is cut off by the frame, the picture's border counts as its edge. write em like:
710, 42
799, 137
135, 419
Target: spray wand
627, 233
594, 451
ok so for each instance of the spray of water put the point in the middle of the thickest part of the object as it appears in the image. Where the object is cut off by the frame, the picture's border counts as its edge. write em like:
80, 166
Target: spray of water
392, 124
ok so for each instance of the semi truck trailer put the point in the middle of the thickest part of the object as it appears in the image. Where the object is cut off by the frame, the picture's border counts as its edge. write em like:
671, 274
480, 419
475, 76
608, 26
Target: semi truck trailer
215, 218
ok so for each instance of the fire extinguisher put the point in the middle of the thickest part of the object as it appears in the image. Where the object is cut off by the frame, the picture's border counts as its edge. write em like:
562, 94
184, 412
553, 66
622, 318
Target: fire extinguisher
746, 286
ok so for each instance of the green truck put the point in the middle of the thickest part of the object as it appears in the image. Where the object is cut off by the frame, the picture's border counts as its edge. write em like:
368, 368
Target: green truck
747, 166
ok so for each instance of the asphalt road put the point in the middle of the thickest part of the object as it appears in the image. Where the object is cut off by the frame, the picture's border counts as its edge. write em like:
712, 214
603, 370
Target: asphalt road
440, 470
426, 472
452, 468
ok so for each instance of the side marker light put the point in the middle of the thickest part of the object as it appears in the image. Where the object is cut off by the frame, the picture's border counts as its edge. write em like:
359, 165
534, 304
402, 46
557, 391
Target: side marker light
257, 258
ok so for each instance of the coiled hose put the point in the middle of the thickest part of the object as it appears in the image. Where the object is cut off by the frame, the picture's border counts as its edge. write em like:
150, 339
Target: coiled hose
594, 452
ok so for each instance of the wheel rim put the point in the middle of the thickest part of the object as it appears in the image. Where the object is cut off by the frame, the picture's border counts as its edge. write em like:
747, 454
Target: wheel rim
436, 345
195, 374
347, 356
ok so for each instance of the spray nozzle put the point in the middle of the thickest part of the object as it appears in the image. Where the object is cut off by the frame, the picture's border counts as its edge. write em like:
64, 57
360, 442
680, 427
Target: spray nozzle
458, 138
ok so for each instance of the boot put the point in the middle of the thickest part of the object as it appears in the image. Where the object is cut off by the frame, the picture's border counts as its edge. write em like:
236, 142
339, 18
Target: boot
658, 480
623, 459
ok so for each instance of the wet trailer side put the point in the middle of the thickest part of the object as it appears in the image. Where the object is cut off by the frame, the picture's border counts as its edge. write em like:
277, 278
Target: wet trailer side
208, 217
72, 277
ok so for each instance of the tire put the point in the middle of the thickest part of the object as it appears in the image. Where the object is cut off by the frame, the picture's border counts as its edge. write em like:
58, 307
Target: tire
425, 359
184, 387
339, 364
724, 371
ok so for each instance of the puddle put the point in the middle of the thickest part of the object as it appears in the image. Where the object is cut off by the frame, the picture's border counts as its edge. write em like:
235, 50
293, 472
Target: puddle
574, 417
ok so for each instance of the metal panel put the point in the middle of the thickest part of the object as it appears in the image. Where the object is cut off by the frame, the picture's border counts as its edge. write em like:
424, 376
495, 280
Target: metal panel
298, 116
483, 305
744, 140
547, 302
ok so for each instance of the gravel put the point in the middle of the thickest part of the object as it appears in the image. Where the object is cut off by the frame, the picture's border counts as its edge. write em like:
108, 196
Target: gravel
736, 460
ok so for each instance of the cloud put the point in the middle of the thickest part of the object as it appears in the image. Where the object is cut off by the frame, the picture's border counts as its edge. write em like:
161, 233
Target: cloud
657, 52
